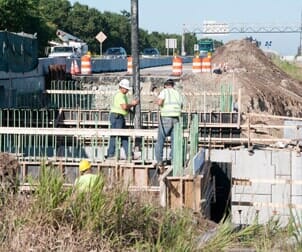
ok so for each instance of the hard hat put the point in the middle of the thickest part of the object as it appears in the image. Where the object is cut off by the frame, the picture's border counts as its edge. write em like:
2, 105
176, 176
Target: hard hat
124, 83
84, 165
169, 82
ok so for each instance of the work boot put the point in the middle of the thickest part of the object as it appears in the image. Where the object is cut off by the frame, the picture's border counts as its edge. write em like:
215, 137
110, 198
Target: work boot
160, 168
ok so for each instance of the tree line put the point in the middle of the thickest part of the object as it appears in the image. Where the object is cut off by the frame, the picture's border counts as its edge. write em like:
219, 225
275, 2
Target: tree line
44, 17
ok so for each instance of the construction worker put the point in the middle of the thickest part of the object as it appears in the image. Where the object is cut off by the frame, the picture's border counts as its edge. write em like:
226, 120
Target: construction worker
119, 109
170, 102
86, 179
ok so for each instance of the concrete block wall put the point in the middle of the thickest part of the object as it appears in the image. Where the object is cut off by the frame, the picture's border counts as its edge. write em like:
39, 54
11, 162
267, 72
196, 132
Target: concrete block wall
265, 184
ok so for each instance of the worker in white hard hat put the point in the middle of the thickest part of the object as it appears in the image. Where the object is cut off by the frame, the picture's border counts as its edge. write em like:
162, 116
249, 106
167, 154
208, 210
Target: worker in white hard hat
119, 109
87, 179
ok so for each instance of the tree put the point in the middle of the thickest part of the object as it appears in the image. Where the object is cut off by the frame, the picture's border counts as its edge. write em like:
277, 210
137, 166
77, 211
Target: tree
118, 30
55, 12
85, 23
24, 16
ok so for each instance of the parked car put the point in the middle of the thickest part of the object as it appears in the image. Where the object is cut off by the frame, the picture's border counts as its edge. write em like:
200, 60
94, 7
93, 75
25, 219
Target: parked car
150, 52
115, 53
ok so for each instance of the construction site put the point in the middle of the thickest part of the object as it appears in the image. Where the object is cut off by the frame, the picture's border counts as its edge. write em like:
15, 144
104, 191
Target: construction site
237, 145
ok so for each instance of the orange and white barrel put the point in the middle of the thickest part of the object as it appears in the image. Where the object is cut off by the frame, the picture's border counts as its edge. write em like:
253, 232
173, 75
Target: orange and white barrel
86, 64
177, 66
197, 65
206, 65
129, 65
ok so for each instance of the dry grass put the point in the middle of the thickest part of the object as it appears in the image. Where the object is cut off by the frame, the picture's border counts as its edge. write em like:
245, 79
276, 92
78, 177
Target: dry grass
59, 219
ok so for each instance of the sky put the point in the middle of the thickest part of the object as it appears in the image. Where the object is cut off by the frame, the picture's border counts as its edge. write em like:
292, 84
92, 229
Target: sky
171, 16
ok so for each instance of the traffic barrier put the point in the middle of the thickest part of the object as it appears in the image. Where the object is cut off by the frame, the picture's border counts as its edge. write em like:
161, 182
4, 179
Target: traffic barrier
129, 65
206, 65
86, 64
197, 65
72, 70
76, 67
177, 66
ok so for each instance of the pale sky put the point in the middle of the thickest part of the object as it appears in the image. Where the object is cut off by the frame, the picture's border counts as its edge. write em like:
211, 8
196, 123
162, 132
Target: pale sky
170, 16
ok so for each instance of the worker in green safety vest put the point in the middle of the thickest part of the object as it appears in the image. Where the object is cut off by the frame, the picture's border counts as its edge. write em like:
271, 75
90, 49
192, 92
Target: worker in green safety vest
87, 179
170, 102
120, 108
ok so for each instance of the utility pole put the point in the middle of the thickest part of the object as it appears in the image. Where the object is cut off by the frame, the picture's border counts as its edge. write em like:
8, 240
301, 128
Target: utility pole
300, 49
135, 62
183, 53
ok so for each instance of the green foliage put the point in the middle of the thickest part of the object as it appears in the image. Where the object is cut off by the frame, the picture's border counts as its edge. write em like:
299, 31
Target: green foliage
113, 219
290, 68
49, 191
44, 17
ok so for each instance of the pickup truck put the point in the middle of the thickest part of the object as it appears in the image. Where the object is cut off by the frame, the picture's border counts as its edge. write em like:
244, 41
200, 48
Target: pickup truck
63, 51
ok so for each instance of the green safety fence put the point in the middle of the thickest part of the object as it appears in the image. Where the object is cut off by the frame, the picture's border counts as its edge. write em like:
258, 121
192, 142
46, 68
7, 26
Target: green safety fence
194, 134
178, 149
226, 98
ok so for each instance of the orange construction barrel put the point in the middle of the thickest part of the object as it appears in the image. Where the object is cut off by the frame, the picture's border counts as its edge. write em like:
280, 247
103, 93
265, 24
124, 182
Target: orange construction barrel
86, 64
206, 65
129, 65
177, 66
197, 65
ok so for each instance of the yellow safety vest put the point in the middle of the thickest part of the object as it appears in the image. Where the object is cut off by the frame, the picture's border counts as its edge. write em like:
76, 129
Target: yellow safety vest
118, 99
172, 102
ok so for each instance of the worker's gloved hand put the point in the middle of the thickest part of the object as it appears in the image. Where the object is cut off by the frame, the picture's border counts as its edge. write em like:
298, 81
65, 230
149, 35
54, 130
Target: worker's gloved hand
135, 102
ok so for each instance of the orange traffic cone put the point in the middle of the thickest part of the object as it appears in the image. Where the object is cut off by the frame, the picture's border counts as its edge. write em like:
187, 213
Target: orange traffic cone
72, 69
76, 67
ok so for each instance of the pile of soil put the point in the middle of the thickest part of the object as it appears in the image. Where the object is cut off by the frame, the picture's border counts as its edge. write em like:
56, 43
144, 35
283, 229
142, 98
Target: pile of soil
265, 88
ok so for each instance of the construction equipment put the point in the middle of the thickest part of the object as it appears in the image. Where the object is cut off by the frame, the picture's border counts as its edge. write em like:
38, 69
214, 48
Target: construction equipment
70, 47
206, 46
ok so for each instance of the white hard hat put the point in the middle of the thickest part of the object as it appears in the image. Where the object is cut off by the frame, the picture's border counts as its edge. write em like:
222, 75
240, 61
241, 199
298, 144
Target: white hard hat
124, 83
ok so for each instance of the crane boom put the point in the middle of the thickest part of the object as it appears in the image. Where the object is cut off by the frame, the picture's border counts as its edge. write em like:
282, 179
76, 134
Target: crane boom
66, 37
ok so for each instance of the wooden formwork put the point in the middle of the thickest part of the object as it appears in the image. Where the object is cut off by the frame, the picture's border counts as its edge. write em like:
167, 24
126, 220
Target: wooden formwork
194, 192
184, 192
137, 175
134, 175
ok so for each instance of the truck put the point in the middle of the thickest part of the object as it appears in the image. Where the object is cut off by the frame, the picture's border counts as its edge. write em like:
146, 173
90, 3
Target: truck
69, 47
206, 46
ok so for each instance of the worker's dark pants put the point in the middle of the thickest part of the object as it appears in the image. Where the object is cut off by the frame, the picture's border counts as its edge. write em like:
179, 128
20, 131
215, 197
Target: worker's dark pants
117, 121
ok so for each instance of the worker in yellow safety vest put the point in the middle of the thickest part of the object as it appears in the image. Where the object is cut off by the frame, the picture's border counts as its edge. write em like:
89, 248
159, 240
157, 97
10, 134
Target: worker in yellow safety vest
120, 108
170, 102
87, 179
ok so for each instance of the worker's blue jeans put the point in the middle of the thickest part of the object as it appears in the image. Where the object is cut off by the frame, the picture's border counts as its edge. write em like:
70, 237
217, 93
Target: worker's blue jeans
117, 121
165, 128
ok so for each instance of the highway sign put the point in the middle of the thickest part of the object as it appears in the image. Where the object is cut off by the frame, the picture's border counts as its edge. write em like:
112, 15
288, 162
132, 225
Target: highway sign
101, 37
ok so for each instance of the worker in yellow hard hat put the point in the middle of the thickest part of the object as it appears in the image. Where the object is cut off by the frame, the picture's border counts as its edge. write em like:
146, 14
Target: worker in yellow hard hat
87, 179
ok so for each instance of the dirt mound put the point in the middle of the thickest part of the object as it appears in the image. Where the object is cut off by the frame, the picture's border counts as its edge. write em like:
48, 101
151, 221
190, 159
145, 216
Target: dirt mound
265, 88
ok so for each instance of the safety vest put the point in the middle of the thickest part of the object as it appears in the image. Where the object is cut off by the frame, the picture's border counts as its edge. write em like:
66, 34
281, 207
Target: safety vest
118, 99
172, 102
85, 182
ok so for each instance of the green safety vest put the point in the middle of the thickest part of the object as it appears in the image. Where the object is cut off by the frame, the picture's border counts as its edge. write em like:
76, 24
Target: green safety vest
85, 182
172, 103
118, 99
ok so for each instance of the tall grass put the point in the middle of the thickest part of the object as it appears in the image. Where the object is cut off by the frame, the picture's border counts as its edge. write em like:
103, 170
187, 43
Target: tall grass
291, 69
64, 219
56, 218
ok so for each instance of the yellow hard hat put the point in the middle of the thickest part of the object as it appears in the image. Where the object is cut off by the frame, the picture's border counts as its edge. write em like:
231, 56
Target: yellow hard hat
84, 165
